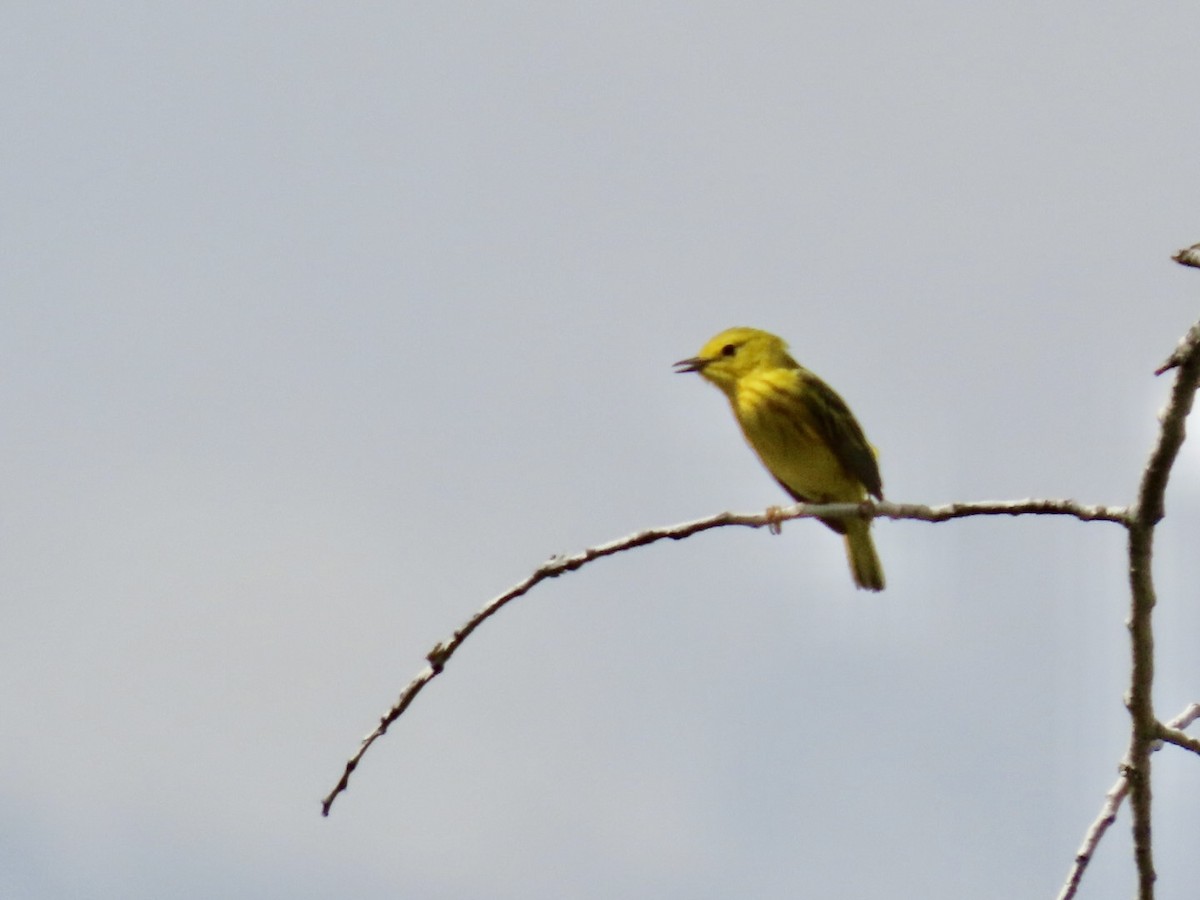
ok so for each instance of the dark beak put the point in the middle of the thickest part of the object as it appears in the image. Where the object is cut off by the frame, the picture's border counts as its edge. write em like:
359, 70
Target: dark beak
695, 364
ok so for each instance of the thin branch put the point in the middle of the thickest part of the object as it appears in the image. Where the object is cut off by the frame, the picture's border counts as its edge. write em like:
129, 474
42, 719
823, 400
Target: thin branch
1118, 514
1185, 718
1108, 815
558, 565
1108, 812
1185, 347
1149, 508
1178, 738
1187, 343
1144, 516
1189, 256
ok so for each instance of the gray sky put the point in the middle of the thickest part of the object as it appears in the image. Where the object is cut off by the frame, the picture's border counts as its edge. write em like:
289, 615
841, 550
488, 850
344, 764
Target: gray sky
323, 326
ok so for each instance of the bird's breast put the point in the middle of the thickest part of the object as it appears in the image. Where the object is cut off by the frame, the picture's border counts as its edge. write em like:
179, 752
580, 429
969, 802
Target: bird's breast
778, 423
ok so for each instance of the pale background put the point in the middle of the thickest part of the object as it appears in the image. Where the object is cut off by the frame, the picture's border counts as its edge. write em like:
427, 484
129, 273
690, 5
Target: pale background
323, 324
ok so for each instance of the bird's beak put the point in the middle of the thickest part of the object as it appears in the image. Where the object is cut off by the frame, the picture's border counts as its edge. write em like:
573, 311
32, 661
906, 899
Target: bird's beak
695, 364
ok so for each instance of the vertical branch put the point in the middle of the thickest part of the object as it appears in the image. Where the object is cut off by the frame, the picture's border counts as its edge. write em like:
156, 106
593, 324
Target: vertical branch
1136, 767
1144, 516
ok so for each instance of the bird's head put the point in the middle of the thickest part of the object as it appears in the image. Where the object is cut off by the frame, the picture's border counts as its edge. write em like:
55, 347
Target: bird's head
735, 353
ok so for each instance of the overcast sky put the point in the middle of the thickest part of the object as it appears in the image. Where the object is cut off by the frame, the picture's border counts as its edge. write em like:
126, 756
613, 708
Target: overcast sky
324, 323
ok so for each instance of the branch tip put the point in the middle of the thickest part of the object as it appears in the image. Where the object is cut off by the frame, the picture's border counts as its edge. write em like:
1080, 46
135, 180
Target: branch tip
1189, 256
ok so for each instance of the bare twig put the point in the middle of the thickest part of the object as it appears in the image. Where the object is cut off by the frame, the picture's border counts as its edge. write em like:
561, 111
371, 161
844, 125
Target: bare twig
1108, 812
1189, 256
1186, 718
1187, 344
558, 565
1108, 815
1118, 514
1178, 738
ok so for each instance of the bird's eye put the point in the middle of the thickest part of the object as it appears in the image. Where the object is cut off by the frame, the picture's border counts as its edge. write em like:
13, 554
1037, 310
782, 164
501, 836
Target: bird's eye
728, 350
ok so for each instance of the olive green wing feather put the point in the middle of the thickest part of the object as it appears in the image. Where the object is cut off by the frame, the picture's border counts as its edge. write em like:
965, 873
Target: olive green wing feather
842, 433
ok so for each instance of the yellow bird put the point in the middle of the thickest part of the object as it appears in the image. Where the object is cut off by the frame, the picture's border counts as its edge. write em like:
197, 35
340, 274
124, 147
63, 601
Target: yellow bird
803, 432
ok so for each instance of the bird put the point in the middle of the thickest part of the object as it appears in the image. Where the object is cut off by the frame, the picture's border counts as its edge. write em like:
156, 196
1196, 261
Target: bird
803, 432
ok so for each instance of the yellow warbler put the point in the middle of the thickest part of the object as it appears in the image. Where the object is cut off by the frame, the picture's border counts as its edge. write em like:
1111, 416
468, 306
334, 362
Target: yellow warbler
802, 431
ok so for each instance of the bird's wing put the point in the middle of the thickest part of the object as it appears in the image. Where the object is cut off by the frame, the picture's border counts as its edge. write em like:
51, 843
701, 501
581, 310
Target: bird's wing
842, 433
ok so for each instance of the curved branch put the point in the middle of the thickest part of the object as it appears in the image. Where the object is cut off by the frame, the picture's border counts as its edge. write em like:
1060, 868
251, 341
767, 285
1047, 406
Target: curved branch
558, 565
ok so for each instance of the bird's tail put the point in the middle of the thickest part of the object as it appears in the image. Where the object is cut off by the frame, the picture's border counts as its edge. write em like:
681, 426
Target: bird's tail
864, 561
